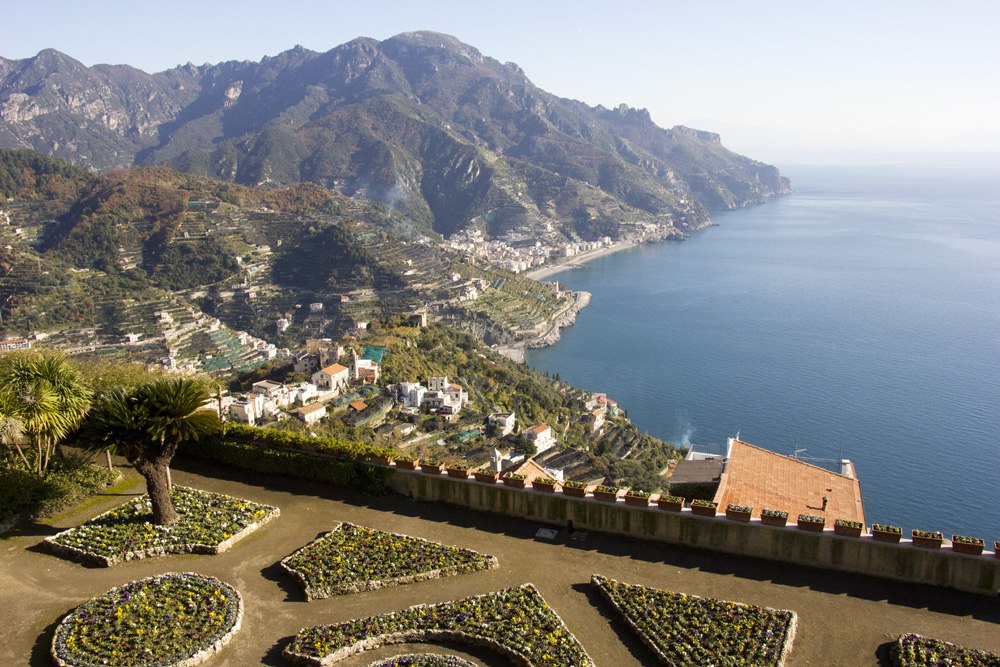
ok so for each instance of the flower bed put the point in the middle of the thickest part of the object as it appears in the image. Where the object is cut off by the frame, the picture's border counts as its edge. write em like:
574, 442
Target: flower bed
771, 517
847, 528
170, 619
422, 660
516, 622
691, 630
917, 651
886, 533
735, 512
812, 522
575, 489
350, 559
208, 523
968, 545
704, 507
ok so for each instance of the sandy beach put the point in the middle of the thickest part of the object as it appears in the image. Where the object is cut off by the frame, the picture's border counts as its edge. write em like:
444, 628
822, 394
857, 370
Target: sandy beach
576, 261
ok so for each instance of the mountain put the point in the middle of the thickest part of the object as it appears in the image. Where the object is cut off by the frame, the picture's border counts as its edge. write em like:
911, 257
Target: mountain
422, 122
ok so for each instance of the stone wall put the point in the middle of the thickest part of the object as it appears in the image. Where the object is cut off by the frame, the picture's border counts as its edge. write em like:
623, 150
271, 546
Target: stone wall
902, 562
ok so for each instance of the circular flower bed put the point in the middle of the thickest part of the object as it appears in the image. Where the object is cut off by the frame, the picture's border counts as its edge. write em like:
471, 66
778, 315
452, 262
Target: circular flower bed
422, 660
208, 523
170, 619
352, 558
917, 651
690, 630
515, 622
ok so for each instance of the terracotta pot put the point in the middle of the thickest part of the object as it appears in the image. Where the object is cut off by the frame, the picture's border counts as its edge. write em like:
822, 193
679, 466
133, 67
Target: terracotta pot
636, 501
381, 460
670, 505
606, 497
485, 478
575, 492
966, 548
432, 468
702, 510
516, 483
813, 526
461, 474
847, 531
886, 536
927, 542
736, 515
773, 520
543, 486
408, 465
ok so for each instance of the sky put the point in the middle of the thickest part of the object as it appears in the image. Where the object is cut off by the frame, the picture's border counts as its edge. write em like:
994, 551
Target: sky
773, 78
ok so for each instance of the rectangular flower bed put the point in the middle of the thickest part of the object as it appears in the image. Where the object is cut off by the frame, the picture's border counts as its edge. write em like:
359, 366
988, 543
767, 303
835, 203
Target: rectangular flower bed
886, 533
927, 539
608, 494
671, 503
432, 467
637, 499
459, 471
381, 460
916, 651
515, 480
704, 507
575, 489
739, 513
811, 522
770, 517
967, 545
847, 528
487, 476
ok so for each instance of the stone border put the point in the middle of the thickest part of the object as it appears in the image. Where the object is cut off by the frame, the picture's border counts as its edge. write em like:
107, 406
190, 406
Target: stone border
320, 593
786, 646
430, 636
443, 660
198, 657
155, 552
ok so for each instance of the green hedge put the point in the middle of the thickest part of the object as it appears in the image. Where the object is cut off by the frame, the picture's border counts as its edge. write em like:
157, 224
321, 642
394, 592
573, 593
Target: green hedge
350, 450
68, 482
270, 460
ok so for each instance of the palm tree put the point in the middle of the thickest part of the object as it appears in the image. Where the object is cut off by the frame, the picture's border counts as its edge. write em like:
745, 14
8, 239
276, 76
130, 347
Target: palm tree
11, 426
146, 425
51, 396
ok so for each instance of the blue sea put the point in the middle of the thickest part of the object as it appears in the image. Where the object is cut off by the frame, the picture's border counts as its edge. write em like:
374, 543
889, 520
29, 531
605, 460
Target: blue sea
858, 318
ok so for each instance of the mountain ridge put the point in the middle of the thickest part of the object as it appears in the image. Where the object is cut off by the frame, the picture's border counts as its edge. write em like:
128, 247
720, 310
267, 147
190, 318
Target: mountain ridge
419, 121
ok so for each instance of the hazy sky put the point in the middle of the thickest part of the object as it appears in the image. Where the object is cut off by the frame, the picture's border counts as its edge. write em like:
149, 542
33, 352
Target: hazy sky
769, 76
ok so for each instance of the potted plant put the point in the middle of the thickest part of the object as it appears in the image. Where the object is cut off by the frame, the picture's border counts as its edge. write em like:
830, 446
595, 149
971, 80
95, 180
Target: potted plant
407, 462
637, 498
432, 466
927, 539
672, 503
996, 549
608, 494
886, 533
812, 522
967, 545
460, 470
575, 489
847, 528
770, 517
517, 480
385, 458
546, 484
487, 476
736, 512
704, 507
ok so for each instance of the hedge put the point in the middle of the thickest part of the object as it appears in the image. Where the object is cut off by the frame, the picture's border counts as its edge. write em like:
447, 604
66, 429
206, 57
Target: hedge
273, 460
350, 450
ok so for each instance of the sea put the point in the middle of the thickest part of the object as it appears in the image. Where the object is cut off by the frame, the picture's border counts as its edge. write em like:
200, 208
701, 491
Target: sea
856, 318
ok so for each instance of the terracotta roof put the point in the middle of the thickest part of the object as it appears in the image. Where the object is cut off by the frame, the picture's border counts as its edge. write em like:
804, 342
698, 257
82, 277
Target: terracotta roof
529, 469
359, 405
761, 478
541, 428
333, 369
309, 409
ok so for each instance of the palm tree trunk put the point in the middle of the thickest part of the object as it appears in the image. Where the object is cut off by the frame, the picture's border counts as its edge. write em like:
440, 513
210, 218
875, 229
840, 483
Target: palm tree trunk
27, 466
38, 447
107, 452
157, 485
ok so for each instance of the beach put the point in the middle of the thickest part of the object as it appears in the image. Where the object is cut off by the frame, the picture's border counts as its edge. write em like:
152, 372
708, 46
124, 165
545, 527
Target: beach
576, 261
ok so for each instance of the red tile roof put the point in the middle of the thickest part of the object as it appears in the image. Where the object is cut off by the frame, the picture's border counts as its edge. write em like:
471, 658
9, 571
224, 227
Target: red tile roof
333, 369
541, 428
760, 478
359, 405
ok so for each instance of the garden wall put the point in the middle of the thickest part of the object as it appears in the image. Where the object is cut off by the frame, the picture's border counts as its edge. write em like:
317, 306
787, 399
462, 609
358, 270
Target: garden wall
902, 562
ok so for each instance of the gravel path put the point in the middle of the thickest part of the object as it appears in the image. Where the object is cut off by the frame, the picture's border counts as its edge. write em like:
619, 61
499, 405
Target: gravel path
844, 620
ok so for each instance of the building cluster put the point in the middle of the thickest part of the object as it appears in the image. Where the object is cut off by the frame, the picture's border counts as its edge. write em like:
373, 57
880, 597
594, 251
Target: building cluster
508, 252
439, 396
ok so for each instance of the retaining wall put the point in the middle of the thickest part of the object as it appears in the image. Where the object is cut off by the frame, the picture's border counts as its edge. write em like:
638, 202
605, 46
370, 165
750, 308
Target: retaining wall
902, 562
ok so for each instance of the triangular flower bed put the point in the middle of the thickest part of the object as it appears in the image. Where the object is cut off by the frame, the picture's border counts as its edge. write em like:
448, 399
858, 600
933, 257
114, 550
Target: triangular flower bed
917, 651
687, 630
351, 559
515, 622
208, 523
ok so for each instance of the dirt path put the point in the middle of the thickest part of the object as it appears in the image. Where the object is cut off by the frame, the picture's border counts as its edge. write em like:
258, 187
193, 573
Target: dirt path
843, 619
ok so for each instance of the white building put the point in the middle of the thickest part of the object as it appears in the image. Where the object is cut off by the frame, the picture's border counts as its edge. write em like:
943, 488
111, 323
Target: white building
504, 420
333, 377
312, 413
541, 435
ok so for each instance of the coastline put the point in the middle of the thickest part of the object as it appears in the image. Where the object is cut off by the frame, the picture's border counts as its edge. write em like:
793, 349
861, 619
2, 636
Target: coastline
576, 261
